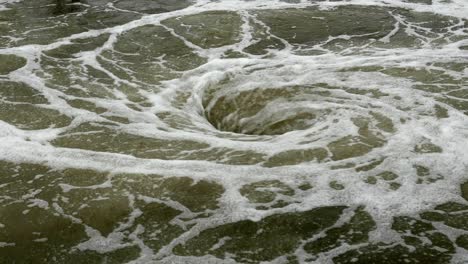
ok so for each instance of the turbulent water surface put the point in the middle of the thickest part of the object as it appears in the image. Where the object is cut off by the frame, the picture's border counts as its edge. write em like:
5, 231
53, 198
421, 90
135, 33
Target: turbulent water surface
177, 131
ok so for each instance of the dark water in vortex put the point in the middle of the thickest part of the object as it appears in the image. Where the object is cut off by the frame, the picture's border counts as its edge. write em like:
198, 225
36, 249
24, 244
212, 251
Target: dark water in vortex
233, 131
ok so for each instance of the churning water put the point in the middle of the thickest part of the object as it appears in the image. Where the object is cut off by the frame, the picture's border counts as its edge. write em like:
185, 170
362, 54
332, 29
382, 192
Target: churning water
234, 131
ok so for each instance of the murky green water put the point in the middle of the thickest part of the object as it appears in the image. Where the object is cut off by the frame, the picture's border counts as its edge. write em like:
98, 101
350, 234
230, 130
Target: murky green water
234, 131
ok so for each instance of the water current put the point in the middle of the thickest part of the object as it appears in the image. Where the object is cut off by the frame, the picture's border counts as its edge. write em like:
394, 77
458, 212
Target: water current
229, 131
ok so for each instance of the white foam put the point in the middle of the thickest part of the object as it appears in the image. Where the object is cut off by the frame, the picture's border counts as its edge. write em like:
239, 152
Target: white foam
4, 3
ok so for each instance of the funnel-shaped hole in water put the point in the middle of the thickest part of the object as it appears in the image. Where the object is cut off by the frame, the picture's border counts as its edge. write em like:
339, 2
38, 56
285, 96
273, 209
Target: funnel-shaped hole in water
260, 112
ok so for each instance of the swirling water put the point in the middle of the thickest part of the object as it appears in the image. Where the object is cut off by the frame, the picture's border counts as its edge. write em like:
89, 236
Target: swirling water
234, 131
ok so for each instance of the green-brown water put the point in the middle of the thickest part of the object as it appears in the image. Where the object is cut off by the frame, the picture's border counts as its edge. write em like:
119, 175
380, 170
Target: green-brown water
234, 131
